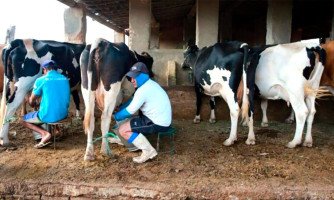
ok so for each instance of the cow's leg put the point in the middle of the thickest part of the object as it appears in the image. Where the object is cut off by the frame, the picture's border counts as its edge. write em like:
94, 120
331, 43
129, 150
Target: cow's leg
234, 114
199, 95
301, 112
310, 103
264, 106
212, 113
11, 109
110, 98
291, 117
251, 136
89, 122
314, 82
76, 99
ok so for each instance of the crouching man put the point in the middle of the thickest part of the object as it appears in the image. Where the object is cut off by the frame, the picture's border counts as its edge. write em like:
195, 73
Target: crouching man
54, 90
156, 112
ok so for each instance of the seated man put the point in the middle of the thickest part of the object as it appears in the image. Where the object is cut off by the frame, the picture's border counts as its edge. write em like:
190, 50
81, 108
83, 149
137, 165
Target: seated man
54, 90
156, 110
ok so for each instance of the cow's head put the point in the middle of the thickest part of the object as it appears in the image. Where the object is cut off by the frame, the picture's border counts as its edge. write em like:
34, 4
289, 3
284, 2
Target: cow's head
147, 60
190, 56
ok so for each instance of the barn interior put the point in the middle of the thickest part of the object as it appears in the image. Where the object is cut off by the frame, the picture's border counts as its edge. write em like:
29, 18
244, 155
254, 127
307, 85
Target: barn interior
238, 19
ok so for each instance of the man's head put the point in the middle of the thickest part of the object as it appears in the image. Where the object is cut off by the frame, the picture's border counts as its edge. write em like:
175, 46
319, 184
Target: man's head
138, 74
49, 65
136, 69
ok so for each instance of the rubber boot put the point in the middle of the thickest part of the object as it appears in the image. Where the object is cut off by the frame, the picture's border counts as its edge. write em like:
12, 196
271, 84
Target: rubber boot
148, 151
128, 145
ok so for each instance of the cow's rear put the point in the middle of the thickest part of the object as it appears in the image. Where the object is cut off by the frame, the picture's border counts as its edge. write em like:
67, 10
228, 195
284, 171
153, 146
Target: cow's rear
291, 72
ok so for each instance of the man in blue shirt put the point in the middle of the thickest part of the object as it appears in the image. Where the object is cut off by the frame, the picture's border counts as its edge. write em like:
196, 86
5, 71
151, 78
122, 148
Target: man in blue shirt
54, 90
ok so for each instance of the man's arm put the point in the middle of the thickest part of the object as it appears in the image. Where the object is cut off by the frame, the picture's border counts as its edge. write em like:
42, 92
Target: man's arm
33, 100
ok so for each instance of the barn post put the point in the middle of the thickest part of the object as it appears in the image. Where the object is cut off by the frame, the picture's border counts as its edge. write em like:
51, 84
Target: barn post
75, 24
119, 37
207, 22
279, 21
140, 24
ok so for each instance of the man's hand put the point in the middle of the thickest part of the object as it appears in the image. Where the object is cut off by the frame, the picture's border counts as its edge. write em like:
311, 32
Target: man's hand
116, 109
34, 101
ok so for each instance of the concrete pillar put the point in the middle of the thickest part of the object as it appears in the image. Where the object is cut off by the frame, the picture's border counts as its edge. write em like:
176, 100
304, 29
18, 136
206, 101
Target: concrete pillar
75, 25
207, 19
279, 21
140, 24
119, 37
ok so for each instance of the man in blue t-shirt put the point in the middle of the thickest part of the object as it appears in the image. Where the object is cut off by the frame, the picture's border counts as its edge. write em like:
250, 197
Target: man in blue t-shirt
54, 90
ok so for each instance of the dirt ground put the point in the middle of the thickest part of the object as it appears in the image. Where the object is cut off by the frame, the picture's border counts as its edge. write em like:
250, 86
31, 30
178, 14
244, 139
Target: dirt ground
201, 168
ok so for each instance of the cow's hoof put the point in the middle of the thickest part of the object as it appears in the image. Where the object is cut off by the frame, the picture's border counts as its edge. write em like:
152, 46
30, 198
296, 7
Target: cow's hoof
289, 121
106, 153
89, 157
197, 121
228, 142
7, 144
291, 145
307, 144
264, 124
212, 121
244, 123
250, 141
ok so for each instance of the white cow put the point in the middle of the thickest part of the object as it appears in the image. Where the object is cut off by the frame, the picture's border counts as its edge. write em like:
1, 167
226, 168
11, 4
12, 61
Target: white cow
280, 74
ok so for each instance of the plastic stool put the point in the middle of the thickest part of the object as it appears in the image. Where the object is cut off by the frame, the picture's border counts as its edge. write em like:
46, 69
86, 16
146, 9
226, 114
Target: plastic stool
51, 126
170, 133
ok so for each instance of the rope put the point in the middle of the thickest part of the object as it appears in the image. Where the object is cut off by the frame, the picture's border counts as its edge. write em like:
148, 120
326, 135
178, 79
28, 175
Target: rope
105, 137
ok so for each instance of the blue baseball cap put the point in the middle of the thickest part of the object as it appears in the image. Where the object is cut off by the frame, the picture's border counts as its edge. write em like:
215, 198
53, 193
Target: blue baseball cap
48, 63
136, 69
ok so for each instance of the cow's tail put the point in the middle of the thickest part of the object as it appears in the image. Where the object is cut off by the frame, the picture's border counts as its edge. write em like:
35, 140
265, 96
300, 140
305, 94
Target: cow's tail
86, 62
3, 105
311, 88
245, 100
5, 59
319, 93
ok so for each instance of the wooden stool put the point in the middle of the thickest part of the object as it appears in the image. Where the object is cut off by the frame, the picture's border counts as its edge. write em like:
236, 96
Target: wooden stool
170, 133
51, 128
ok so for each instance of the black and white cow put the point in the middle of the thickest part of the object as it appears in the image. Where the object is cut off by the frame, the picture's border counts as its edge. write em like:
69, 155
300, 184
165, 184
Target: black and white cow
22, 59
103, 68
291, 72
218, 71
192, 53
